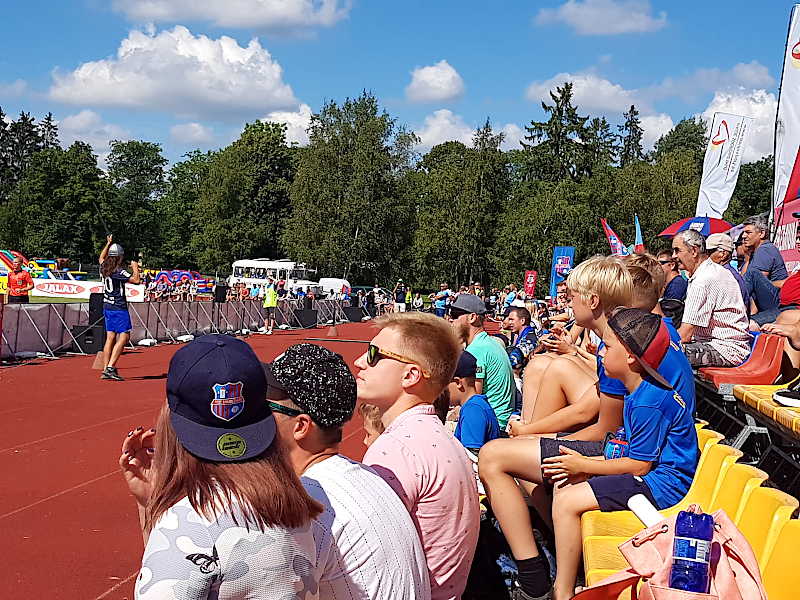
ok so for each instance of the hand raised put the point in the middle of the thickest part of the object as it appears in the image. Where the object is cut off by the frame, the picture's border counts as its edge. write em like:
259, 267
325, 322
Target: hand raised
136, 462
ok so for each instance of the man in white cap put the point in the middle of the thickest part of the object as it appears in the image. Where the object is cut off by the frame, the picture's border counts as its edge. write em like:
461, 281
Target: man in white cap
720, 249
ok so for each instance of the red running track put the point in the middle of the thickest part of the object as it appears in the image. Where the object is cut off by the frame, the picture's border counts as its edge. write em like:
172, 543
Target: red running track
68, 526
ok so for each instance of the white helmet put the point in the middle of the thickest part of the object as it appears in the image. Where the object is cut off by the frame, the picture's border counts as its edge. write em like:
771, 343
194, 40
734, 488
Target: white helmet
115, 250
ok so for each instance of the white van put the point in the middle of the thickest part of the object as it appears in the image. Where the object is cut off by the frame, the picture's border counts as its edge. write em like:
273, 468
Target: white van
334, 287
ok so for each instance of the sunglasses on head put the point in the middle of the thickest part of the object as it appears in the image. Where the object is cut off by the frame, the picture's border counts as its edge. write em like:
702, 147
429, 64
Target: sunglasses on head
374, 354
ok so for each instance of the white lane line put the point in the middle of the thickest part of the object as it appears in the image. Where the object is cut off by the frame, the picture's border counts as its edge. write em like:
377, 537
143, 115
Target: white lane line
77, 430
80, 485
120, 584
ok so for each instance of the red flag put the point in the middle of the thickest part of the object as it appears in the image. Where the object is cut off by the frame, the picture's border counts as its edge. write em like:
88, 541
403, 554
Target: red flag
530, 283
617, 247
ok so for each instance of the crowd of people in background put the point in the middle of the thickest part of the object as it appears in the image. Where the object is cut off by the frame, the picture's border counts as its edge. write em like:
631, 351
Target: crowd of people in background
452, 408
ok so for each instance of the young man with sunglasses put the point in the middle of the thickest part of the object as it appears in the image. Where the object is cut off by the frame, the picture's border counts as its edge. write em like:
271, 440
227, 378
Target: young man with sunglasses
676, 284
468, 314
367, 544
408, 364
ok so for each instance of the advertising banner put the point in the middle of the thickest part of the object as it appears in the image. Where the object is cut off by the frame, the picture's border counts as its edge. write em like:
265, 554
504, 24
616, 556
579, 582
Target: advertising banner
729, 134
563, 258
530, 283
787, 144
80, 290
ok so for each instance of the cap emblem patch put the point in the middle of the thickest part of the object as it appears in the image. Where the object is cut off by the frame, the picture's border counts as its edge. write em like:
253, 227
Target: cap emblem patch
231, 445
228, 400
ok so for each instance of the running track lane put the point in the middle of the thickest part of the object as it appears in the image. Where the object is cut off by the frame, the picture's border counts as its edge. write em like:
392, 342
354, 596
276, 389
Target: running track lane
68, 526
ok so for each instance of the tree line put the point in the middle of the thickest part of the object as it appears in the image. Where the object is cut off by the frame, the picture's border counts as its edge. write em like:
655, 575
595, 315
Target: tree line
358, 201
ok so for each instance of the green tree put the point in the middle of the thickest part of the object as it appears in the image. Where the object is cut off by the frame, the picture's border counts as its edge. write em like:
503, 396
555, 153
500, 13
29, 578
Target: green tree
689, 137
55, 203
177, 206
631, 133
136, 169
348, 215
600, 145
463, 193
49, 132
554, 148
753, 193
19, 141
244, 198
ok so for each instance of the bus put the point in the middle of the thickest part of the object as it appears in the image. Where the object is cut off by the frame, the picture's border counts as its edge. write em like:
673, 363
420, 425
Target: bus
257, 270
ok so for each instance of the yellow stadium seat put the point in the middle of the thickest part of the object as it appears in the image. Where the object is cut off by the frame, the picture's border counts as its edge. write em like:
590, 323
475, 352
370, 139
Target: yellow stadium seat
735, 488
714, 464
763, 515
707, 438
780, 574
700, 423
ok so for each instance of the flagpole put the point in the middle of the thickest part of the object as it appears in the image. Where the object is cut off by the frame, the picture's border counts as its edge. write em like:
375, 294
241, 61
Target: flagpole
772, 219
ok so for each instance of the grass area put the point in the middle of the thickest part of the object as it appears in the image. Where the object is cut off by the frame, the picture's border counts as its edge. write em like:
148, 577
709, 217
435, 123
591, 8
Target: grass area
46, 300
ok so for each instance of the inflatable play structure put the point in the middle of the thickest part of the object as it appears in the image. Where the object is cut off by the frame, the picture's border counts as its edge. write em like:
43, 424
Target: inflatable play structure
53, 279
177, 275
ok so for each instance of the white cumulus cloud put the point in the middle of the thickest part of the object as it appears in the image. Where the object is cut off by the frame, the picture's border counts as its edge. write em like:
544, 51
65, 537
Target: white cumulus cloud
270, 15
597, 96
590, 93
654, 126
604, 17
514, 134
436, 83
88, 126
296, 123
758, 104
191, 133
444, 126
177, 72
13, 90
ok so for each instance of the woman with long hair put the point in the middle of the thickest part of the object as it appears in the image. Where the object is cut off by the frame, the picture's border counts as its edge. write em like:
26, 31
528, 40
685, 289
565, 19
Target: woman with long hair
223, 513
115, 306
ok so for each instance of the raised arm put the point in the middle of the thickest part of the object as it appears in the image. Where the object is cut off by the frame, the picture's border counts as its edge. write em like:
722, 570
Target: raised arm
136, 274
104, 252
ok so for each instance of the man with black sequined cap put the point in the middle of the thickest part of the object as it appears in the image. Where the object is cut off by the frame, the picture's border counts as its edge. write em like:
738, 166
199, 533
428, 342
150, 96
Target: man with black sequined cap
367, 544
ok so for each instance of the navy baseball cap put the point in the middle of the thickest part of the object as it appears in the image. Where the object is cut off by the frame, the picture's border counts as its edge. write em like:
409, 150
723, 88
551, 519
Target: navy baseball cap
217, 392
467, 365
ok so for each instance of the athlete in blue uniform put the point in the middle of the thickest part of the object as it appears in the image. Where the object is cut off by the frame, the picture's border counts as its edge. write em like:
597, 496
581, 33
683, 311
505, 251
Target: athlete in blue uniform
115, 306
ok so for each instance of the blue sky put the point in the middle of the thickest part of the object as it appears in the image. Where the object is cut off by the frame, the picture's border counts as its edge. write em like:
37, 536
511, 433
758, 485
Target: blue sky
189, 73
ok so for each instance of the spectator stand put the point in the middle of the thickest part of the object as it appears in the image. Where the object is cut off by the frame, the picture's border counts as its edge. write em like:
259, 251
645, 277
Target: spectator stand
737, 402
746, 494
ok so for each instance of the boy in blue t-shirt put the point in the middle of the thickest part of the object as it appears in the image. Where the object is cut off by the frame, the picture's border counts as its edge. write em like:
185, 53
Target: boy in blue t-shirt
662, 441
477, 422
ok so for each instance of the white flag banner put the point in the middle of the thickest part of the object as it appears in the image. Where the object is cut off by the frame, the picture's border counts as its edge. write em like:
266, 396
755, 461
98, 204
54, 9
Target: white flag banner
729, 134
785, 193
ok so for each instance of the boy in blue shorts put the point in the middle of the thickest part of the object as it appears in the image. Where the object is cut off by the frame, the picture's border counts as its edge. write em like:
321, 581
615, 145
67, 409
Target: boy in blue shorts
662, 455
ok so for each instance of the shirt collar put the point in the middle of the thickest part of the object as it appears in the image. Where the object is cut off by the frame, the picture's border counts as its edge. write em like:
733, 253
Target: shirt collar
419, 409
703, 265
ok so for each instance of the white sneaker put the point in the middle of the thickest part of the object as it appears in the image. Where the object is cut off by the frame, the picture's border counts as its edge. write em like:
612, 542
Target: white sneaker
269, 331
